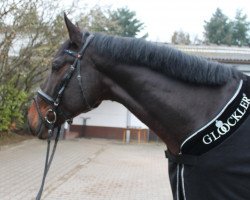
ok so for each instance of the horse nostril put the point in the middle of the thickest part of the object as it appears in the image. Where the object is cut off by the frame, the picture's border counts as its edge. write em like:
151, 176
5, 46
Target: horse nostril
29, 122
33, 121
29, 128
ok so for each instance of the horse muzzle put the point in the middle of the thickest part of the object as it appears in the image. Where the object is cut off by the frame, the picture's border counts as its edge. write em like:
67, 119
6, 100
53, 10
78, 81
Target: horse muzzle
35, 123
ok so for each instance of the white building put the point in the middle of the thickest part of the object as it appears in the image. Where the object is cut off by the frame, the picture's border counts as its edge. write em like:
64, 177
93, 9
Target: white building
109, 120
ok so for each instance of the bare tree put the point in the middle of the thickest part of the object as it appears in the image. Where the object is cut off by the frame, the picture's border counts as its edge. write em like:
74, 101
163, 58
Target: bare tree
180, 37
29, 35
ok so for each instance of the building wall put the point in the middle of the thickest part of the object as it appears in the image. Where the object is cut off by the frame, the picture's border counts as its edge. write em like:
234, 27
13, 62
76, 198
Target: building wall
109, 120
244, 68
109, 114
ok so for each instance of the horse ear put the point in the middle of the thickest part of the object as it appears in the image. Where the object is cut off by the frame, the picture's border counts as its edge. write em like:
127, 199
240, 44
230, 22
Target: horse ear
74, 32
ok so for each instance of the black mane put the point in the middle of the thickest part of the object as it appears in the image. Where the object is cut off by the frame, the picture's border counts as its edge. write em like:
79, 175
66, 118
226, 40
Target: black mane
164, 59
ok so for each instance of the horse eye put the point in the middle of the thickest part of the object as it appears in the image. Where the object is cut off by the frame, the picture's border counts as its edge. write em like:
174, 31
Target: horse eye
57, 63
55, 66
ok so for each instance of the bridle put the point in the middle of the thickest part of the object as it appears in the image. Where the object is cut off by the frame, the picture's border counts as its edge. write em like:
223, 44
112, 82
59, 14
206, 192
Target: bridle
51, 116
54, 102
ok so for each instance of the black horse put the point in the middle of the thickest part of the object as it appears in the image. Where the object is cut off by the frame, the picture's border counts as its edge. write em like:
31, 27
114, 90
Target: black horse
197, 107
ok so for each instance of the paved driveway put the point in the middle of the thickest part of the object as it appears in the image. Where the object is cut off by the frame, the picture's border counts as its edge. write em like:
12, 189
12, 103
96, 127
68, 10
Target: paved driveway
88, 169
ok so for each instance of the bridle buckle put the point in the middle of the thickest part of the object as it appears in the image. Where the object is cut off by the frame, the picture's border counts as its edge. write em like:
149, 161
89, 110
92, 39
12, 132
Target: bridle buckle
48, 115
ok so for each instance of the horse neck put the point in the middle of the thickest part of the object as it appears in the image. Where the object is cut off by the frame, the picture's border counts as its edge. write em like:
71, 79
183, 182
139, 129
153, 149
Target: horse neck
171, 108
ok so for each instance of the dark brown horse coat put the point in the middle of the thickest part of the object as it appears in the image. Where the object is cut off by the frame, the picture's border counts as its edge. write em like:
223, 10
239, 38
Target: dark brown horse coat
214, 163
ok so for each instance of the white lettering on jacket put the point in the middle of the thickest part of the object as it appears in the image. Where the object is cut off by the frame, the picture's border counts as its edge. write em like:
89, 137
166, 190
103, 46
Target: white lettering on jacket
224, 127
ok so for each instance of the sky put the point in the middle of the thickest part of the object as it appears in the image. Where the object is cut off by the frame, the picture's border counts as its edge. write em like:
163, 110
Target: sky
163, 17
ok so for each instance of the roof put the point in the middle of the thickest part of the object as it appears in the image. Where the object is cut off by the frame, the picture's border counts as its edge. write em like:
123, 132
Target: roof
224, 54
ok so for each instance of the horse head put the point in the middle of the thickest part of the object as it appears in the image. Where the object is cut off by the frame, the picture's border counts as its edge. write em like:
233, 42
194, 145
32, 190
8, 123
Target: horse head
73, 85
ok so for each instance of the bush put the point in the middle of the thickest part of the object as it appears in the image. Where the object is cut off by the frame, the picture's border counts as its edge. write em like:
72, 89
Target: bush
11, 101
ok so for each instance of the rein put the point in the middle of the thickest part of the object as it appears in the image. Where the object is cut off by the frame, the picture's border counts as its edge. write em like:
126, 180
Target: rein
50, 118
